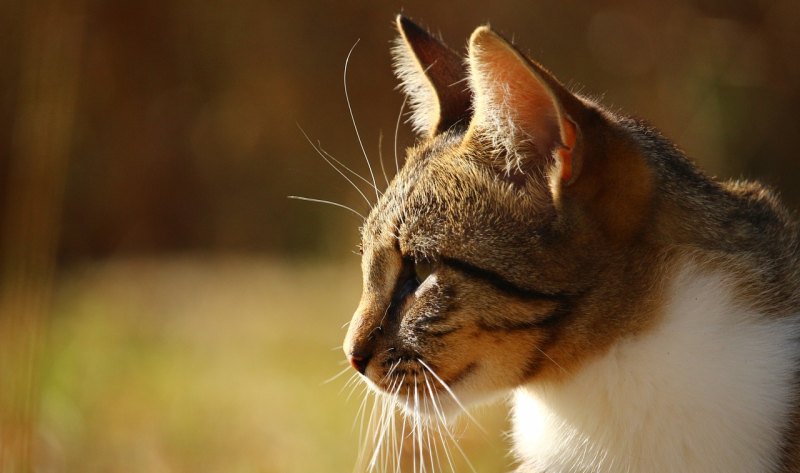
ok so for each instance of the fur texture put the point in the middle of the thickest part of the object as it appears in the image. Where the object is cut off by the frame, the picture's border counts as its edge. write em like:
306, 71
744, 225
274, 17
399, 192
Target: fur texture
708, 390
645, 315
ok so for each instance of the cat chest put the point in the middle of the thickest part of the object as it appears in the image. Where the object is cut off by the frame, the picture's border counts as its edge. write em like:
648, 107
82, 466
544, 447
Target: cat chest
708, 390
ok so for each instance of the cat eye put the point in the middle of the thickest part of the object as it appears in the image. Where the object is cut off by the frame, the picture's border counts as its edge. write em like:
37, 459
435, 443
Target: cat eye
422, 269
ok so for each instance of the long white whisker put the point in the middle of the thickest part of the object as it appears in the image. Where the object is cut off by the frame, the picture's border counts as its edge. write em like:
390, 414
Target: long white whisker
319, 151
360, 420
419, 427
396, 131
414, 421
390, 371
380, 157
393, 426
384, 423
402, 437
431, 392
381, 434
439, 425
353, 118
392, 453
352, 383
433, 449
460, 450
336, 376
321, 201
362, 410
452, 395
446, 449
554, 361
372, 427
348, 169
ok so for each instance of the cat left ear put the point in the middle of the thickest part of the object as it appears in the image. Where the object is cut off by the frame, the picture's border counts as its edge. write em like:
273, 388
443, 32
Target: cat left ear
521, 107
433, 78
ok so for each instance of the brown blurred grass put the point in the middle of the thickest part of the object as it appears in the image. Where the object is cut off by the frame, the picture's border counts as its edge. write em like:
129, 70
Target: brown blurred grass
192, 365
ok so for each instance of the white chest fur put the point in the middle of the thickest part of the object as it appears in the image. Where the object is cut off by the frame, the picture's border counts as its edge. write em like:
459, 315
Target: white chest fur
708, 390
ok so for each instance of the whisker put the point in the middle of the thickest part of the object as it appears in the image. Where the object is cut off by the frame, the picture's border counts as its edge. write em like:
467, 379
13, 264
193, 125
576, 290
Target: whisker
391, 449
354, 379
460, 450
320, 153
392, 453
321, 201
458, 447
383, 428
442, 423
352, 383
446, 449
439, 413
348, 169
419, 427
353, 118
459, 81
432, 448
554, 361
453, 395
380, 157
414, 422
396, 131
362, 410
336, 376
371, 426
360, 419
402, 438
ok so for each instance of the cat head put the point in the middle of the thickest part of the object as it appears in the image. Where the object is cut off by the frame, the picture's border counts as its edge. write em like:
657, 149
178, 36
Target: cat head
500, 253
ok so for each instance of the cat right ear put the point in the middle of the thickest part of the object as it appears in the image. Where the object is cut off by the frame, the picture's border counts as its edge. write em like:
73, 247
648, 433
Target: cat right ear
433, 78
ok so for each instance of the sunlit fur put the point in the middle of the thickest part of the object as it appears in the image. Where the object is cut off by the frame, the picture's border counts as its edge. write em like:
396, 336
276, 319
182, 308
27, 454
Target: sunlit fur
644, 315
708, 390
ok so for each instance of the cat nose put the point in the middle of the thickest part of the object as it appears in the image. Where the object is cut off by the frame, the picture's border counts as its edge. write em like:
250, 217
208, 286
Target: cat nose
359, 361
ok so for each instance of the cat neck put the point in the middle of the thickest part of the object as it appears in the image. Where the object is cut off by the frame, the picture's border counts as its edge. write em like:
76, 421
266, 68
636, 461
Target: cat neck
707, 389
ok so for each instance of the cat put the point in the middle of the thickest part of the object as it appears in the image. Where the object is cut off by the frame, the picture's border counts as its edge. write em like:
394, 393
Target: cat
643, 316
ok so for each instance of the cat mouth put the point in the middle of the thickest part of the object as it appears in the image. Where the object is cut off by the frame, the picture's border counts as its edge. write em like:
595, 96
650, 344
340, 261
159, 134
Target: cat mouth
417, 387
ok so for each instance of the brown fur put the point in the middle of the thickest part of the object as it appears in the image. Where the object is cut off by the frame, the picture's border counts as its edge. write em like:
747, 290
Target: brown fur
537, 273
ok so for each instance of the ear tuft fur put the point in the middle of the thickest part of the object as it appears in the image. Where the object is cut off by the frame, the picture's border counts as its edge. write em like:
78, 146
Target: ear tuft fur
420, 94
431, 76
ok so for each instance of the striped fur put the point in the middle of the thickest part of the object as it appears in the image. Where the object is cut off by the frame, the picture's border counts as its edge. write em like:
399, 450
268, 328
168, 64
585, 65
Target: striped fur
644, 314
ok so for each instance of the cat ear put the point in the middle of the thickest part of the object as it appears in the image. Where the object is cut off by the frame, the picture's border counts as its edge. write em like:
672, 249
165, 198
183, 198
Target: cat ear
433, 78
521, 108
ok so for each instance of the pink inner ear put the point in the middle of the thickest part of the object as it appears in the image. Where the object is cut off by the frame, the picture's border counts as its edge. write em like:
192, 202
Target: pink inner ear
569, 138
511, 88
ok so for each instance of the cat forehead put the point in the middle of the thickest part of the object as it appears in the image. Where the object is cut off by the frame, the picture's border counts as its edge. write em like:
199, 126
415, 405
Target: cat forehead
430, 167
449, 191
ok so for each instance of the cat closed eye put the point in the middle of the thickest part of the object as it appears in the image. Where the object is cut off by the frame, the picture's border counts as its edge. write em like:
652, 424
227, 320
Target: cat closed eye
422, 269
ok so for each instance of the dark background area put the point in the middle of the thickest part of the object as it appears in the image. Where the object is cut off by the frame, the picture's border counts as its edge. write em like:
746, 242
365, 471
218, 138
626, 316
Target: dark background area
185, 132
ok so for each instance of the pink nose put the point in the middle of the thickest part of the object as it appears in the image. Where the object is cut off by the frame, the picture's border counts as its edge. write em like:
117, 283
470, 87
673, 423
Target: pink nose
359, 362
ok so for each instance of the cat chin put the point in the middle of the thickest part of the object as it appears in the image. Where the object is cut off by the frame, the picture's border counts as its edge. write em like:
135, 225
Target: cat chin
433, 403
448, 409
422, 408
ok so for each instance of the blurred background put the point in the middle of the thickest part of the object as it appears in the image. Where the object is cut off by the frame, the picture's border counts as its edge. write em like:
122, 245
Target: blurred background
165, 307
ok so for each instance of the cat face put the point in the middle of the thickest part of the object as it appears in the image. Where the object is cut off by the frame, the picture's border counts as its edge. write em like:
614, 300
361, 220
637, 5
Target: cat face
489, 259
445, 289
